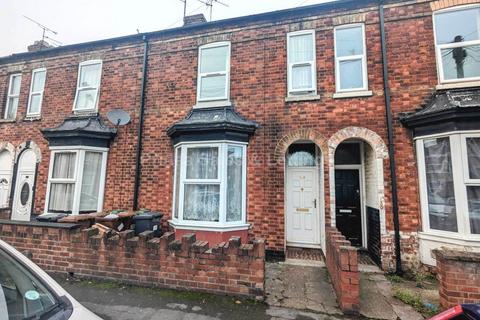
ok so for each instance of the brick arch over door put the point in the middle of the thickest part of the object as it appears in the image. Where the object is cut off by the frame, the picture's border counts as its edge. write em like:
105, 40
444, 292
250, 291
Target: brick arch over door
302, 134
29, 145
381, 153
280, 153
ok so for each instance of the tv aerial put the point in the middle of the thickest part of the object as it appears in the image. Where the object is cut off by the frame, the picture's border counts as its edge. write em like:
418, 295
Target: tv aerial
210, 3
44, 31
118, 117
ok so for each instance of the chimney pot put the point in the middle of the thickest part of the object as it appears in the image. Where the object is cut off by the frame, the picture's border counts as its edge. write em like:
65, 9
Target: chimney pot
194, 20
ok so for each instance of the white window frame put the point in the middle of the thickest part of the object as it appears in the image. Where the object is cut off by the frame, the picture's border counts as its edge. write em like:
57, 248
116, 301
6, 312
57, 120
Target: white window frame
363, 57
439, 47
313, 63
79, 151
226, 73
460, 173
222, 224
9, 95
9, 173
79, 88
36, 93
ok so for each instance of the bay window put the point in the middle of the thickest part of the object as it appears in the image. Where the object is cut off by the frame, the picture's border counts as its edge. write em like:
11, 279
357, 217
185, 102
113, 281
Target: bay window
350, 58
88, 85
449, 169
36, 92
76, 180
210, 184
457, 42
13, 96
214, 72
302, 72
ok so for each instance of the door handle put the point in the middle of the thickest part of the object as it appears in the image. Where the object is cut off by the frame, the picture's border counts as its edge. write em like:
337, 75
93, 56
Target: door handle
315, 203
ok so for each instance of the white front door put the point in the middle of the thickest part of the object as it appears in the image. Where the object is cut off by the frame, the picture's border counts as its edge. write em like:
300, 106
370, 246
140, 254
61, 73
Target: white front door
24, 186
301, 205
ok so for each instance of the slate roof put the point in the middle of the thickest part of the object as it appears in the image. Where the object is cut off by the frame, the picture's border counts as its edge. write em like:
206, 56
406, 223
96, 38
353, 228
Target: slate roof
86, 126
210, 119
446, 102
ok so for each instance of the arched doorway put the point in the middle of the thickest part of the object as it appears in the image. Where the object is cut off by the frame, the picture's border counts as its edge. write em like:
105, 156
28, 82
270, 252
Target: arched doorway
6, 168
24, 186
303, 190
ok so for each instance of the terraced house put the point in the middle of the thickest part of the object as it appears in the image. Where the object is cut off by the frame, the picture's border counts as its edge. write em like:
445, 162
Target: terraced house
362, 115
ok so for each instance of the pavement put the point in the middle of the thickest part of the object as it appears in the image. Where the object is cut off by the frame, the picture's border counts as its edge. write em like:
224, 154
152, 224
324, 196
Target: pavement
295, 290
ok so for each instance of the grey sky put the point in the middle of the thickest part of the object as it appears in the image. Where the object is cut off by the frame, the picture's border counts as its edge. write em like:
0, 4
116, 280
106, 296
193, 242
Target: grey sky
87, 20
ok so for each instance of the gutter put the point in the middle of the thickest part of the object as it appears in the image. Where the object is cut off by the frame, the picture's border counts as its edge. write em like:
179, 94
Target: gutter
391, 147
138, 156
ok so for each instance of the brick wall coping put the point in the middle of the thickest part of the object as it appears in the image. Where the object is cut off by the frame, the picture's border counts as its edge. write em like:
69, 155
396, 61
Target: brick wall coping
68, 226
456, 255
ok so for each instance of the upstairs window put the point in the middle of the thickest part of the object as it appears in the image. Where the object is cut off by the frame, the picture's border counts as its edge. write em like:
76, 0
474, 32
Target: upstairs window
12, 96
457, 39
350, 58
88, 86
214, 72
76, 181
301, 63
36, 92
210, 184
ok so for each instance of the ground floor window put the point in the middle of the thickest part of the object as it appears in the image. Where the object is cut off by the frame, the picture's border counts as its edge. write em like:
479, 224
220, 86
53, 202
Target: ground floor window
449, 169
76, 180
210, 184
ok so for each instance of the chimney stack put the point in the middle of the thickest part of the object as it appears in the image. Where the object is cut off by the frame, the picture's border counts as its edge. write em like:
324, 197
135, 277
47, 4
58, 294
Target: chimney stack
39, 45
194, 20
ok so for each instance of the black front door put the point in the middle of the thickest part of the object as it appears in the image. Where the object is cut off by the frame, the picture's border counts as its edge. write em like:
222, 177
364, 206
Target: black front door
348, 212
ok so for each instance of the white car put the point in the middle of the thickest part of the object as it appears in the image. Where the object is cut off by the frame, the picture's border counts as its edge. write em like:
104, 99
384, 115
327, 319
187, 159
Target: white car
27, 292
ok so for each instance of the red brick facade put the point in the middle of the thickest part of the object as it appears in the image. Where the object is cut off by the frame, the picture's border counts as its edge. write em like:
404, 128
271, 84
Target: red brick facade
227, 268
258, 91
342, 264
458, 275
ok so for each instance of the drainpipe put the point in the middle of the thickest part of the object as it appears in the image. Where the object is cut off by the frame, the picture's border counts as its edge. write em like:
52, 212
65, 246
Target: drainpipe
136, 189
391, 147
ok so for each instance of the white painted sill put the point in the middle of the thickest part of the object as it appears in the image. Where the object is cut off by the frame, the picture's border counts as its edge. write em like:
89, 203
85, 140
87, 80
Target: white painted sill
300, 98
217, 228
457, 85
30, 118
352, 94
213, 104
454, 239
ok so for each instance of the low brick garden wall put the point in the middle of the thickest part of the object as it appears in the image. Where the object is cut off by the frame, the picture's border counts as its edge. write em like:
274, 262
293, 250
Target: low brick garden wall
342, 264
229, 268
458, 273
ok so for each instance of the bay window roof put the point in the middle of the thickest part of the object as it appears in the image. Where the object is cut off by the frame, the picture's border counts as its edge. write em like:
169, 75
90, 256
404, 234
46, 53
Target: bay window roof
81, 131
204, 124
446, 111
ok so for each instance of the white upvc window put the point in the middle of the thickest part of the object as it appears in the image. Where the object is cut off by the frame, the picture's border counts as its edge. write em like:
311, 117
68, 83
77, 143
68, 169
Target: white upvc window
210, 185
36, 92
449, 175
88, 86
457, 43
350, 58
213, 82
13, 95
302, 69
76, 180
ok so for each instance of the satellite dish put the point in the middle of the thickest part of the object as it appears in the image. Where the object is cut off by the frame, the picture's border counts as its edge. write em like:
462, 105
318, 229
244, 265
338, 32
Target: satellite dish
118, 117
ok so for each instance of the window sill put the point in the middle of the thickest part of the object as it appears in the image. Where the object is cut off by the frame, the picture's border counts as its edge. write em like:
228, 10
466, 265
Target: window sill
353, 94
32, 118
7, 120
204, 227
82, 113
456, 239
458, 85
213, 104
300, 98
